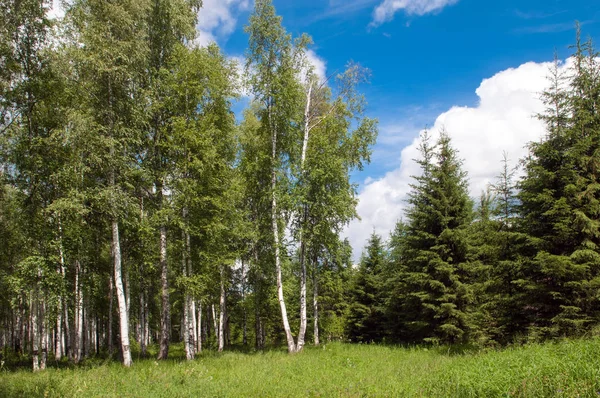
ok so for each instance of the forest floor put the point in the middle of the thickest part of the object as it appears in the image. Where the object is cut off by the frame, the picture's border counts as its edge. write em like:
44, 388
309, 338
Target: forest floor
569, 368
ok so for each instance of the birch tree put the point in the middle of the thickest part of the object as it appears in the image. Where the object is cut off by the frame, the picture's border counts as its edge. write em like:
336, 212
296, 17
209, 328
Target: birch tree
170, 23
112, 53
274, 64
337, 138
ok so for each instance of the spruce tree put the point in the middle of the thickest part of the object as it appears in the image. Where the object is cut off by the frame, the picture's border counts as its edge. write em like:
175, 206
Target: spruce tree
366, 312
436, 298
559, 202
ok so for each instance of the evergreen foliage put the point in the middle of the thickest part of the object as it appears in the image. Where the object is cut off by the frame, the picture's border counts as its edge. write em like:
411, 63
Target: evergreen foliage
366, 310
434, 281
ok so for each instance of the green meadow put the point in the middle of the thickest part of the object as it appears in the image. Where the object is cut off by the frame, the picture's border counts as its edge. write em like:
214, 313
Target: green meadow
561, 369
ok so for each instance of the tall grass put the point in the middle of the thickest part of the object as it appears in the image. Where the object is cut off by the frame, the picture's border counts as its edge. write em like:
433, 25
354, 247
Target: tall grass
567, 369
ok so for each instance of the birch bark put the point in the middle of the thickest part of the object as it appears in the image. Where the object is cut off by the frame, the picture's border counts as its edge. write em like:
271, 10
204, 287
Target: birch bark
222, 311
315, 307
123, 321
286, 325
303, 318
199, 331
165, 310
35, 332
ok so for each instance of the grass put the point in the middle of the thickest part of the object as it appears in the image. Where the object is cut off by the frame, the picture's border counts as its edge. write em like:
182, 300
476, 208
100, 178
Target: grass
563, 369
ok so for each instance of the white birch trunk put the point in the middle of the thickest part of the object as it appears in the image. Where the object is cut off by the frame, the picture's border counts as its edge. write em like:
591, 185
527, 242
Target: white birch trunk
43, 335
303, 318
165, 320
306, 126
194, 329
315, 307
188, 328
286, 325
187, 337
215, 325
60, 347
35, 334
222, 311
79, 313
199, 330
123, 321
191, 303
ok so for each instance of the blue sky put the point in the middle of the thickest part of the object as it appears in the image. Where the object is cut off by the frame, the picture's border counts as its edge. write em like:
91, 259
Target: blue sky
475, 66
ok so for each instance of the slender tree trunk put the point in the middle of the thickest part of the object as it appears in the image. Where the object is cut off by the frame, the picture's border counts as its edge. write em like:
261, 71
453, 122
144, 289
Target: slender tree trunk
116, 252
188, 328
123, 321
58, 340
143, 328
316, 305
20, 339
191, 308
75, 331
215, 324
87, 328
286, 325
146, 321
45, 342
303, 317
306, 125
142, 321
110, 315
78, 346
127, 292
187, 333
222, 311
91, 334
165, 319
35, 332
193, 325
59, 346
43, 336
245, 312
199, 332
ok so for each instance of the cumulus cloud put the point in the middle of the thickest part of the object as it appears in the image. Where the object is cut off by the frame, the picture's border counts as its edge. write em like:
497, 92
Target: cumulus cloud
504, 120
217, 19
385, 11
318, 64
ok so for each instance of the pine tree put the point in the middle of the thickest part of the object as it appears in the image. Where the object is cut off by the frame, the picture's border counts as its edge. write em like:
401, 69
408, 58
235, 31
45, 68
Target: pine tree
500, 253
559, 202
436, 299
366, 312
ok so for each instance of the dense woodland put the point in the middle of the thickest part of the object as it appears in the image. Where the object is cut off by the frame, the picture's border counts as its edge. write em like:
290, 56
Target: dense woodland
135, 209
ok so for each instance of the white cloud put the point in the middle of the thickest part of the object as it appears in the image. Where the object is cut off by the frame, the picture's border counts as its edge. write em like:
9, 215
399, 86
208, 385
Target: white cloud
502, 121
217, 19
385, 11
318, 64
